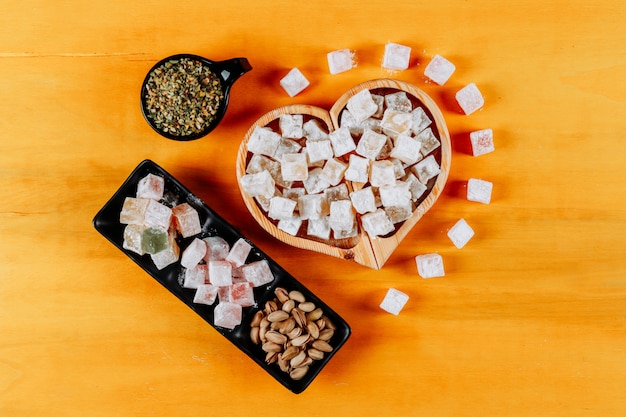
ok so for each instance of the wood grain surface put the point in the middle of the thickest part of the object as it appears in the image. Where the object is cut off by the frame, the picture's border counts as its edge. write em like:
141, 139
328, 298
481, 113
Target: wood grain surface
530, 319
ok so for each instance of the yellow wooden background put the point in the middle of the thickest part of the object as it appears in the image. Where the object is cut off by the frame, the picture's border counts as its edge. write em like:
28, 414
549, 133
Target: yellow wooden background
530, 319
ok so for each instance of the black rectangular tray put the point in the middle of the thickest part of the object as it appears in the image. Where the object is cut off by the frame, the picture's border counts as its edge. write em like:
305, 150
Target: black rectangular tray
106, 222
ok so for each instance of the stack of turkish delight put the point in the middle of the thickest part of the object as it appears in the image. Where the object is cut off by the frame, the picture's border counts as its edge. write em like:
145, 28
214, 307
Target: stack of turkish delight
298, 172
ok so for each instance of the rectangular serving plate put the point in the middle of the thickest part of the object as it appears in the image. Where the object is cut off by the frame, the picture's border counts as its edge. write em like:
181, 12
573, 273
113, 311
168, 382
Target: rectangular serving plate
106, 222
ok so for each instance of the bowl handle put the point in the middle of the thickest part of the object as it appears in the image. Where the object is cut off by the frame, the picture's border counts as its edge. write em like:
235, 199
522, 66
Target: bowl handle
231, 69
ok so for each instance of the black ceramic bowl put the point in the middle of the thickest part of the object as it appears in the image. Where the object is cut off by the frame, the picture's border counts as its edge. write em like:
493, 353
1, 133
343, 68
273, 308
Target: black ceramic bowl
226, 72
107, 223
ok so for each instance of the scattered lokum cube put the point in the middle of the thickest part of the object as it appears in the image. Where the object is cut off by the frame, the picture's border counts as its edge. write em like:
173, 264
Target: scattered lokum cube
227, 315
479, 190
394, 301
257, 273
460, 233
482, 142
151, 186
239, 252
470, 99
220, 273
291, 125
294, 82
205, 294
439, 69
377, 223
193, 253
396, 56
430, 265
187, 220
340, 61
196, 276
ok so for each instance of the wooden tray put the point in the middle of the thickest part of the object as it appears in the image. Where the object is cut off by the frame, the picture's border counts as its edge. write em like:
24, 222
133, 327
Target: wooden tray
361, 249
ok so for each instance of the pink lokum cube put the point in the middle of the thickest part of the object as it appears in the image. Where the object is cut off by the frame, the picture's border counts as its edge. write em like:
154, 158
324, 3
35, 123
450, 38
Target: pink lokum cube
258, 273
151, 186
196, 276
227, 315
193, 253
223, 294
158, 214
482, 142
220, 273
217, 248
187, 220
205, 294
242, 294
239, 252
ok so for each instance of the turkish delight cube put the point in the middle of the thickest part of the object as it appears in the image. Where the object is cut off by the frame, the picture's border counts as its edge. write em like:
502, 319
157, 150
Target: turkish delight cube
257, 273
406, 149
314, 131
286, 146
264, 141
151, 186
132, 238
377, 223
239, 252
399, 214
482, 142
342, 141
205, 294
340, 60
363, 200
397, 121
460, 233
395, 195
168, 256
154, 240
439, 69
426, 169
217, 248
259, 184
220, 273
187, 220
396, 56
371, 144
158, 214
227, 315
394, 301
196, 276
294, 167
399, 102
358, 169
341, 215
319, 150
134, 210
383, 173
430, 265
333, 171
479, 190
362, 105
193, 253
470, 98
281, 208
338, 192
420, 120
417, 188
241, 293
313, 206
319, 228
428, 140
315, 183
290, 125
294, 82
291, 225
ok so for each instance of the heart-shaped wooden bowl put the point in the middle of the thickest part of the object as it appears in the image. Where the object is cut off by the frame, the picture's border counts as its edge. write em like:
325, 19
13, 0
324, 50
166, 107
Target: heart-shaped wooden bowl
362, 249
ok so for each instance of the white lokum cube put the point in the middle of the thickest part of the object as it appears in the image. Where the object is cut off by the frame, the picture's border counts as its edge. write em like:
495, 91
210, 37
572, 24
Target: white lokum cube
227, 315
220, 273
294, 82
439, 69
396, 56
428, 140
460, 233
479, 190
314, 131
291, 225
426, 169
399, 214
333, 171
319, 150
358, 169
259, 184
469, 98
257, 273
342, 216
294, 167
286, 146
290, 125
397, 121
430, 265
338, 192
294, 193
399, 102
151, 186
281, 208
482, 142
313, 206
196, 276
416, 187
217, 248
340, 61
380, 102
383, 173
264, 141
239, 252
406, 149
395, 195
371, 144
193, 253
377, 223
157, 214
363, 200
394, 301
319, 228
342, 141
420, 120
205, 294
315, 183
361, 105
